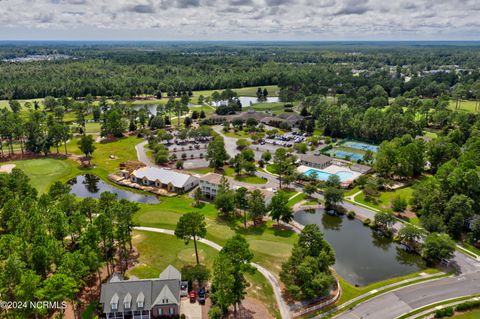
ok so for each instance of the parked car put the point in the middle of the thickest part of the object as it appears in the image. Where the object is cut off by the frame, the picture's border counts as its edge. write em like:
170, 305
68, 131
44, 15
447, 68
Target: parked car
202, 295
193, 296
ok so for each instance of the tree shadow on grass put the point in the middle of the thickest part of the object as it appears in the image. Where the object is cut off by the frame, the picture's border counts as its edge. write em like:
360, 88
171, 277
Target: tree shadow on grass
282, 230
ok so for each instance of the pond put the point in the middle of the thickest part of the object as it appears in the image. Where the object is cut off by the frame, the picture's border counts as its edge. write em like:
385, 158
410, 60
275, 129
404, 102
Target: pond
89, 185
362, 255
246, 100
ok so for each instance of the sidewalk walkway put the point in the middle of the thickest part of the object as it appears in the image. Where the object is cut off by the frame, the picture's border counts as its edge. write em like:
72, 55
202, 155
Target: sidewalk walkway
282, 304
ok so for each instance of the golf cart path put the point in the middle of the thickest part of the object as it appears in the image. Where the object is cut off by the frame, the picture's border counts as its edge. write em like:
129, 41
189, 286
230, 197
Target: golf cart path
282, 305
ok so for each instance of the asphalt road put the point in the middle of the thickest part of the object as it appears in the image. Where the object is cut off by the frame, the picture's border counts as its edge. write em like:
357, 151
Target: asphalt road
403, 300
394, 303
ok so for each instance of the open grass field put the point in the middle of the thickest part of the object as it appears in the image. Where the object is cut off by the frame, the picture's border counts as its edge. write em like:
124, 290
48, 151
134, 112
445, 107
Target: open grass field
155, 255
237, 134
271, 246
273, 90
275, 107
465, 105
44, 172
157, 251
474, 314
385, 199
245, 178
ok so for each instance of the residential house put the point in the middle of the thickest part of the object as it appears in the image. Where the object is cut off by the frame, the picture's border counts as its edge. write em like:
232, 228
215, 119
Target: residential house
143, 298
210, 182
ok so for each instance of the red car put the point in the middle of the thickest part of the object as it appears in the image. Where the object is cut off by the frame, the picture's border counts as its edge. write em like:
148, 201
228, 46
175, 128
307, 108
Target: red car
193, 296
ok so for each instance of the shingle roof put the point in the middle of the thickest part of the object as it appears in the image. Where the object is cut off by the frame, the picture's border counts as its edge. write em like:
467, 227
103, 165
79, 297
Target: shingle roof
165, 176
148, 291
320, 159
212, 178
170, 273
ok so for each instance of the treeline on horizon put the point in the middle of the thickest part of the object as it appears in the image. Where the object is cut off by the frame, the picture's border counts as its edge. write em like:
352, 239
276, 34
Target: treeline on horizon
119, 70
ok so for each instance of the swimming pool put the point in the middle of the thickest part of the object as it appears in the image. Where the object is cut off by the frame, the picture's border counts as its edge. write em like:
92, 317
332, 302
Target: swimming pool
323, 176
361, 146
345, 154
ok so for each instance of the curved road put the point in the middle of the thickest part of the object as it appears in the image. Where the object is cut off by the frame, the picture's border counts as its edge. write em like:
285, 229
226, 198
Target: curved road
398, 302
385, 306
282, 305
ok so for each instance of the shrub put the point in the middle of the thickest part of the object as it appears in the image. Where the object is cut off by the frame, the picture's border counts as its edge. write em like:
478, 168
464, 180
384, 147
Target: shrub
468, 305
351, 214
446, 312
367, 222
340, 210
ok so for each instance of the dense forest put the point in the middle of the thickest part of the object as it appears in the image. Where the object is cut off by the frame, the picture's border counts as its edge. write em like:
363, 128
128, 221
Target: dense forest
302, 69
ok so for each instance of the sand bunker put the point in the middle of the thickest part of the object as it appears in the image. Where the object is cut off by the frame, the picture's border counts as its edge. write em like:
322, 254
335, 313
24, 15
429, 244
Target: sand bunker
7, 168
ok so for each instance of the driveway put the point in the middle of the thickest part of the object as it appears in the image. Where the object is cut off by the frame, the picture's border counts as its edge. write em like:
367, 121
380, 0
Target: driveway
190, 310
142, 154
277, 290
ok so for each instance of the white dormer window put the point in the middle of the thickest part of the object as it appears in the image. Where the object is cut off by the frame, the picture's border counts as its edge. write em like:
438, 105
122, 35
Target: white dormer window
127, 301
140, 300
114, 302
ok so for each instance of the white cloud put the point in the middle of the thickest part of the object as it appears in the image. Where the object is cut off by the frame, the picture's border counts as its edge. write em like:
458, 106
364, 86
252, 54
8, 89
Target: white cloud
239, 19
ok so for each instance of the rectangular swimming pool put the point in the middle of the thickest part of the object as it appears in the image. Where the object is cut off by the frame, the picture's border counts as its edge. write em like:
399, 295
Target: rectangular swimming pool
323, 176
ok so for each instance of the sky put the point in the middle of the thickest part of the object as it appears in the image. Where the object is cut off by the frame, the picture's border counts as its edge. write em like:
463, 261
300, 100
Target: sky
319, 20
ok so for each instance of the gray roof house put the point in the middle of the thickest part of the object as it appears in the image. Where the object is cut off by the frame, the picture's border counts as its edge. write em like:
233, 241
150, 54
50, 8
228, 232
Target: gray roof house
143, 298
165, 178
210, 182
320, 161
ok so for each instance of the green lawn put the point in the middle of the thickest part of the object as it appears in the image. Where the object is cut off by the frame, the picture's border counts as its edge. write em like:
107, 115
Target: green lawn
92, 128
203, 170
474, 314
246, 91
430, 134
237, 134
269, 168
245, 178
271, 246
467, 106
158, 250
384, 201
275, 107
44, 172
252, 91
296, 199
123, 149
352, 191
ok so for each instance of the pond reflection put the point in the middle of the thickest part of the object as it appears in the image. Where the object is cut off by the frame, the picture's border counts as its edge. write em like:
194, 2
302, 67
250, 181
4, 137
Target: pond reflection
362, 256
89, 185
